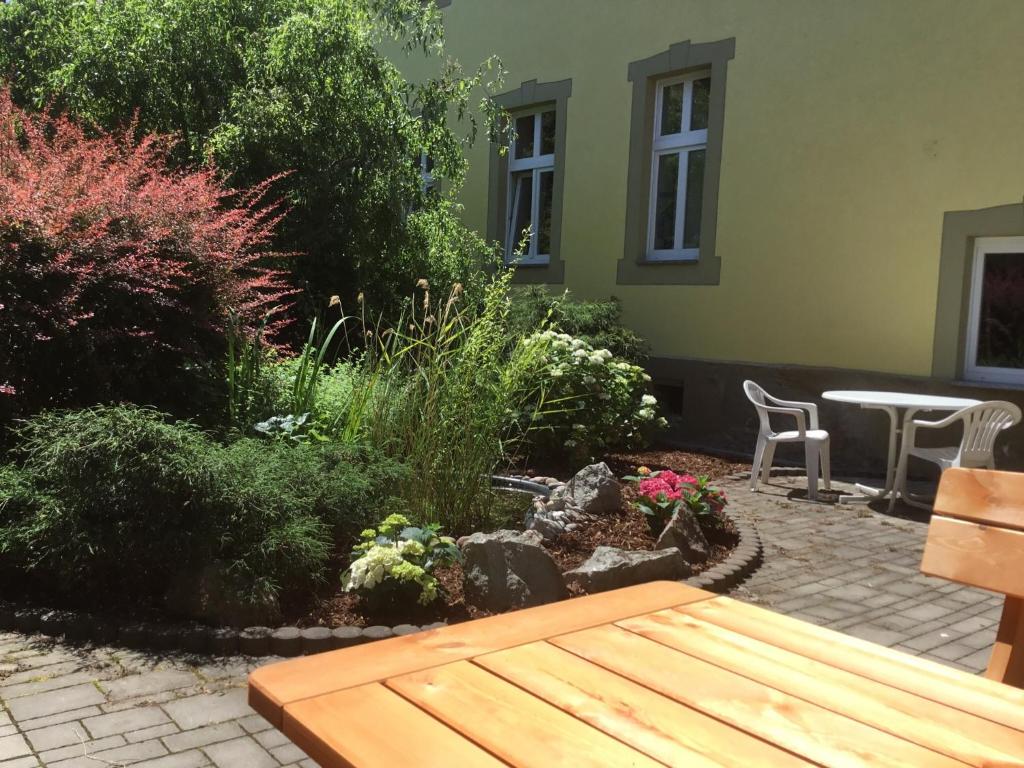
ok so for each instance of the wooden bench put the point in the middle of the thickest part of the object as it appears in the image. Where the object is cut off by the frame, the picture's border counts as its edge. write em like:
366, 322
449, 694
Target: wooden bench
976, 537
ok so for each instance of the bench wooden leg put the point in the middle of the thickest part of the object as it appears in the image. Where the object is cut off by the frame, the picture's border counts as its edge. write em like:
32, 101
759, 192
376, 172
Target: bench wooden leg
1007, 662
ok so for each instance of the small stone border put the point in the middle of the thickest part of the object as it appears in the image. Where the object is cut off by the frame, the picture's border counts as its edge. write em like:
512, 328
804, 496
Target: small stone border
195, 638
743, 561
293, 641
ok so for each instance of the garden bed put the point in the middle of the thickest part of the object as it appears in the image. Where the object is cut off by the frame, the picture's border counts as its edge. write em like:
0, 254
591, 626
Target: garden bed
627, 529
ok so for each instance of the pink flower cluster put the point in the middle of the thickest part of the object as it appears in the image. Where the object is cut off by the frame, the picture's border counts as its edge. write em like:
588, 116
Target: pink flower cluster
668, 483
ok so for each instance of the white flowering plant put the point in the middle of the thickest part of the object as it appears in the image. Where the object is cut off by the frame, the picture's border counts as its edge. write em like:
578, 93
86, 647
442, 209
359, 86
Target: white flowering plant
592, 400
396, 560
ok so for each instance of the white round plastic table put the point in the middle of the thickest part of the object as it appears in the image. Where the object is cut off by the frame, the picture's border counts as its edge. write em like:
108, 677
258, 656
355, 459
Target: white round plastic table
892, 403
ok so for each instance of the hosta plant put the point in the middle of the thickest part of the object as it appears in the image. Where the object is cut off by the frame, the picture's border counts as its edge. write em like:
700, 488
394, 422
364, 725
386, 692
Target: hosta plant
396, 560
663, 493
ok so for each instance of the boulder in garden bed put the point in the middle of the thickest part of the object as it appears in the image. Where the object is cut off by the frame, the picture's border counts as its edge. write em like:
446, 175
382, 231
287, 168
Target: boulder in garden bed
684, 533
612, 568
594, 490
509, 569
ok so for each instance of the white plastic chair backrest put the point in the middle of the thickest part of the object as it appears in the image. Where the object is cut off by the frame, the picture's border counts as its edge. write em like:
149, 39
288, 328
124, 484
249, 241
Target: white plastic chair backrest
982, 424
755, 394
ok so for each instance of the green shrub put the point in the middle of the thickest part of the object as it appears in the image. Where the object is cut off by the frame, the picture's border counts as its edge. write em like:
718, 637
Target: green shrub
599, 323
592, 401
118, 501
110, 498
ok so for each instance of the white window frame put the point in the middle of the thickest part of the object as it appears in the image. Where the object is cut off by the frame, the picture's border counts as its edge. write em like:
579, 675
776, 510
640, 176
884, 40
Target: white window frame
537, 164
681, 144
972, 371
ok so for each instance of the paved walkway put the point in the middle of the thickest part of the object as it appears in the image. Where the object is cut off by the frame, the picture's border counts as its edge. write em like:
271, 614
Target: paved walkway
856, 569
847, 567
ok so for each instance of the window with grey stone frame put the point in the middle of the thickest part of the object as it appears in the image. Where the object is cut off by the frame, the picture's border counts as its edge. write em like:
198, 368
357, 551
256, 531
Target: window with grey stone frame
635, 267
531, 95
960, 230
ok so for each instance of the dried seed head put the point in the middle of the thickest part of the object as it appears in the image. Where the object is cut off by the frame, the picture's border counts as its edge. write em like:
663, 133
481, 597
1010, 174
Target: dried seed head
359, 297
335, 301
428, 320
457, 289
423, 283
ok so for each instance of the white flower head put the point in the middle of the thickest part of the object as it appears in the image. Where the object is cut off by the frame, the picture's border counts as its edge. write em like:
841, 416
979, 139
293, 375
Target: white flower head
649, 400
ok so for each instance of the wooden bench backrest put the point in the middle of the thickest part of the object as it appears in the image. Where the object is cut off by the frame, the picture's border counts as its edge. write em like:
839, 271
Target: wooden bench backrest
976, 537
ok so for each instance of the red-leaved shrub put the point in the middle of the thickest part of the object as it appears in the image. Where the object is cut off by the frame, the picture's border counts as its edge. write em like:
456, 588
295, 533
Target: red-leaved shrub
118, 274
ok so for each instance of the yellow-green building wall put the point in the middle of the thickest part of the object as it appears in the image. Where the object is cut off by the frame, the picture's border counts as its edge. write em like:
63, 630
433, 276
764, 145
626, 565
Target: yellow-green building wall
851, 127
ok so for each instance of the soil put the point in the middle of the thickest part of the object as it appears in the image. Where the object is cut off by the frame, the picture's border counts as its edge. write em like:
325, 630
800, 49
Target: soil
627, 529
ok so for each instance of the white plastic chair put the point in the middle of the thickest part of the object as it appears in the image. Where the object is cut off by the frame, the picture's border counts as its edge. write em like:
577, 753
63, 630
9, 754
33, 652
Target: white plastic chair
982, 424
815, 440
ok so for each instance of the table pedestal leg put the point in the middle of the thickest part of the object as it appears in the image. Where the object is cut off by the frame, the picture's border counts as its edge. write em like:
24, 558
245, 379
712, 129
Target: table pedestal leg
868, 493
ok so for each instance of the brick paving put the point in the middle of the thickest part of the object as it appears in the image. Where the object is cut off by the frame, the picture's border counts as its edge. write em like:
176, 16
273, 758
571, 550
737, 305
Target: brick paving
847, 567
855, 569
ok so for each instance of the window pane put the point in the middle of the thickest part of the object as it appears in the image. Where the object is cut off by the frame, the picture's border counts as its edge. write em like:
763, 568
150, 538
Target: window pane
699, 108
524, 137
522, 206
671, 109
547, 132
694, 198
1001, 320
547, 183
665, 202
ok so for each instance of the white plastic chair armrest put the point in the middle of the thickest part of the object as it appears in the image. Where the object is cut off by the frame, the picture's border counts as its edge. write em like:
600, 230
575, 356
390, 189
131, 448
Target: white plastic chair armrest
811, 408
953, 418
796, 413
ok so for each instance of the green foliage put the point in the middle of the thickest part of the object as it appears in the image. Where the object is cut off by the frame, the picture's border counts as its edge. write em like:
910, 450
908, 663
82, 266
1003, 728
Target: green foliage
119, 500
116, 497
284, 505
599, 323
442, 390
265, 87
395, 559
593, 402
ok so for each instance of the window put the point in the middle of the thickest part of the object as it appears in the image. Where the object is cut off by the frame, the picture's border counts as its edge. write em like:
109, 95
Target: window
428, 184
676, 134
531, 178
995, 320
679, 148
526, 181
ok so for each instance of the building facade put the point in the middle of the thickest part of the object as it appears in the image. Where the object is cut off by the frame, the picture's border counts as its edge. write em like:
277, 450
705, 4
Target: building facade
815, 194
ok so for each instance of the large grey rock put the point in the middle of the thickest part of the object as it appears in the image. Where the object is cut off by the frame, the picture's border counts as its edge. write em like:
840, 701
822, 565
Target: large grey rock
215, 595
684, 533
611, 568
594, 490
509, 569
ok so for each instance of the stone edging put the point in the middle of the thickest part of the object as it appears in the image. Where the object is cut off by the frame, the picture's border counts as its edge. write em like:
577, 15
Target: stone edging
744, 560
195, 638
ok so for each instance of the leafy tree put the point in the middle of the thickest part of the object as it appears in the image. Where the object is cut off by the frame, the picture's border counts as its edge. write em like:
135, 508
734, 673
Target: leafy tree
266, 87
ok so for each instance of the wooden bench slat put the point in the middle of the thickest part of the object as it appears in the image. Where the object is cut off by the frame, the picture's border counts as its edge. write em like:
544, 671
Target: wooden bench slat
275, 686
345, 729
514, 725
982, 496
968, 693
978, 555
806, 729
940, 728
649, 722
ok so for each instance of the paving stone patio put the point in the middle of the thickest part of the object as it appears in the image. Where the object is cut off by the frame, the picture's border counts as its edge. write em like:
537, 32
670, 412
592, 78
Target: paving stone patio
846, 567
